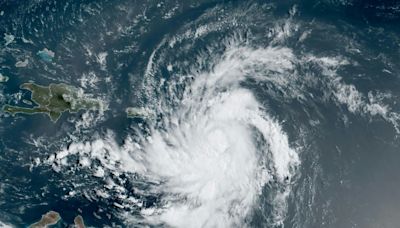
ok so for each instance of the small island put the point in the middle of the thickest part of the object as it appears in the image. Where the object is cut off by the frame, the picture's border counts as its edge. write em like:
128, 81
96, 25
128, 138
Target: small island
78, 221
53, 100
50, 218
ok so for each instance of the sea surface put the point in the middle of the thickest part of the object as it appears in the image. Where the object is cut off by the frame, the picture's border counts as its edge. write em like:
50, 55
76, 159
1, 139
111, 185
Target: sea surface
251, 113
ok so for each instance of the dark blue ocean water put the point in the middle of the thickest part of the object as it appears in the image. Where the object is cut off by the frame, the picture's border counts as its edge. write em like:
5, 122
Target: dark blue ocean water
348, 147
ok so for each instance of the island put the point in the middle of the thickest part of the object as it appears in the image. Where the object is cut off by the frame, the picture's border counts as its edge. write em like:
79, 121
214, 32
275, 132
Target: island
50, 218
133, 112
54, 99
78, 221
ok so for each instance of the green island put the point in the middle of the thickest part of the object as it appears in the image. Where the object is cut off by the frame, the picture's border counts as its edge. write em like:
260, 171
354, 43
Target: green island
53, 100
52, 218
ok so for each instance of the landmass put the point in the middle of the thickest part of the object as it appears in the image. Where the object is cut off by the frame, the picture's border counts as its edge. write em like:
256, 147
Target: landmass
53, 100
50, 218
78, 221
133, 112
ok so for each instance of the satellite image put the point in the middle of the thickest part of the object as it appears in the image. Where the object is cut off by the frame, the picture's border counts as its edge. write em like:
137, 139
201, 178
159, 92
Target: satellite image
200, 114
